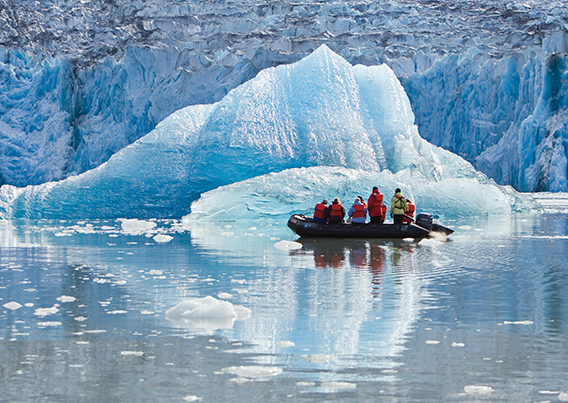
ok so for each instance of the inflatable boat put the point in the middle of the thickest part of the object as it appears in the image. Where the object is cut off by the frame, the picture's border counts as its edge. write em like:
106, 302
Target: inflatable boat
305, 226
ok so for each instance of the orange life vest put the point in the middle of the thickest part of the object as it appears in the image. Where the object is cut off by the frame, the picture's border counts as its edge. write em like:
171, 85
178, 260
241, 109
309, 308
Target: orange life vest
411, 209
375, 204
335, 210
320, 211
359, 211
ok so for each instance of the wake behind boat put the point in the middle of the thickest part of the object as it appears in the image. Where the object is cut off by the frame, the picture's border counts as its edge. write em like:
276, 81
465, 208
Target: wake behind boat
305, 226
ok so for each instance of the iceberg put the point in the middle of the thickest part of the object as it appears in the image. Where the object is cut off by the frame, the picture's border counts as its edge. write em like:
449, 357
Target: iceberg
318, 112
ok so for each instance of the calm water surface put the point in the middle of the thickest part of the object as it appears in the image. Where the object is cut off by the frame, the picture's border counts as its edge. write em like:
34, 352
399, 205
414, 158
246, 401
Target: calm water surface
482, 316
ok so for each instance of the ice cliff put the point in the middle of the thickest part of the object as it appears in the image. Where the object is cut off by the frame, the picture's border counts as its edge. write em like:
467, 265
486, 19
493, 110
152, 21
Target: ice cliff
320, 114
79, 80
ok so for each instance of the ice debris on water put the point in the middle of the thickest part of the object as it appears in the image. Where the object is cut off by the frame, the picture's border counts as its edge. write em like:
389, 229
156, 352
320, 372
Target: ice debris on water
46, 311
318, 358
478, 390
66, 298
12, 305
162, 238
137, 227
253, 371
288, 245
206, 314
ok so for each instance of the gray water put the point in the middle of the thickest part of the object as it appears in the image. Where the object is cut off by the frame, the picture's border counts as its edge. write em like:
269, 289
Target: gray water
480, 316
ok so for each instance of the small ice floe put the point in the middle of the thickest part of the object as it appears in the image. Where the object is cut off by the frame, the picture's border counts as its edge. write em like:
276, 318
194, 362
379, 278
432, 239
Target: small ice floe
478, 390
285, 344
161, 238
48, 324
12, 305
563, 396
191, 398
133, 353
454, 344
66, 298
46, 311
206, 314
225, 295
80, 318
519, 322
334, 385
136, 227
319, 358
252, 372
116, 312
288, 245
305, 384
432, 341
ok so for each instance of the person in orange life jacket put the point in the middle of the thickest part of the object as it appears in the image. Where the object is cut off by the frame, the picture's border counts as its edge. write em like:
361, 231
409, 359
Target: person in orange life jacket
409, 216
375, 206
335, 212
319, 212
362, 201
358, 212
398, 207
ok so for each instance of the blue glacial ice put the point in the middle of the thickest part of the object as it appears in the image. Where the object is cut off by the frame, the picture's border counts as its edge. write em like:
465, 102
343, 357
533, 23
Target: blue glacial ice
80, 80
318, 112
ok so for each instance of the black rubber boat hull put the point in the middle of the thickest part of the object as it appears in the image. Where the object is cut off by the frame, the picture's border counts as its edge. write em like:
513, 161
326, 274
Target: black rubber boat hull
305, 227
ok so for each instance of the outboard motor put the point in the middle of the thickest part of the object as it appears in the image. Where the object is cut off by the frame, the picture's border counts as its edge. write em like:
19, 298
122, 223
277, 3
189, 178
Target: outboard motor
424, 220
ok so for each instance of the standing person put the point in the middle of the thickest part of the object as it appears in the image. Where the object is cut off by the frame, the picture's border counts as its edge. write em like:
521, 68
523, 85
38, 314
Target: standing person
409, 216
375, 206
398, 207
358, 212
319, 212
335, 212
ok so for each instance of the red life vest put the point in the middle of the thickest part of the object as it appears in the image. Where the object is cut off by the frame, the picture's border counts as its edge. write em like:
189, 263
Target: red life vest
411, 209
320, 211
375, 204
409, 213
336, 210
359, 211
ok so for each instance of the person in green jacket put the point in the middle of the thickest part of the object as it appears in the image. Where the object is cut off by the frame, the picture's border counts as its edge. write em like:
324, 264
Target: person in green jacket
399, 207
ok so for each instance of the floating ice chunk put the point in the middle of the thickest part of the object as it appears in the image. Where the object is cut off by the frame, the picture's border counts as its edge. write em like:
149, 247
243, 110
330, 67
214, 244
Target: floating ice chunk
225, 295
134, 353
454, 344
432, 342
161, 238
478, 390
253, 371
66, 298
48, 324
519, 322
12, 305
288, 245
338, 385
117, 312
135, 226
46, 311
563, 396
304, 383
285, 344
80, 318
319, 358
191, 398
206, 314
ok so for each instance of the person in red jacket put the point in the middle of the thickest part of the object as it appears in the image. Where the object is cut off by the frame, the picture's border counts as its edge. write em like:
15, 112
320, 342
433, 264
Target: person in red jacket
319, 212
375, 207
409, 216
335, 212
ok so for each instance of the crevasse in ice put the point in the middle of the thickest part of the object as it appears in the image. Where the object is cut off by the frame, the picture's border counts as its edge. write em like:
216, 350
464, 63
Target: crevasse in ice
318, 112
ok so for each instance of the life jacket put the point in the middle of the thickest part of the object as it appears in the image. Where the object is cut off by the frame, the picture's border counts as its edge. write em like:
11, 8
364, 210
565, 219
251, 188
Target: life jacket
359, 211
411, 209
375, 204
384, 212
409, 213
320, 211
335, 210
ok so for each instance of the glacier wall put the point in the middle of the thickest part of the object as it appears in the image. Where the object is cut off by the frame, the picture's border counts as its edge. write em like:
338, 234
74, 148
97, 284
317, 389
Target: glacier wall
81, 80
315, 113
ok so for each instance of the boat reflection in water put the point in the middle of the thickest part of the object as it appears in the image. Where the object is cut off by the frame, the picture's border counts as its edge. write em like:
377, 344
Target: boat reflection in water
367, 255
